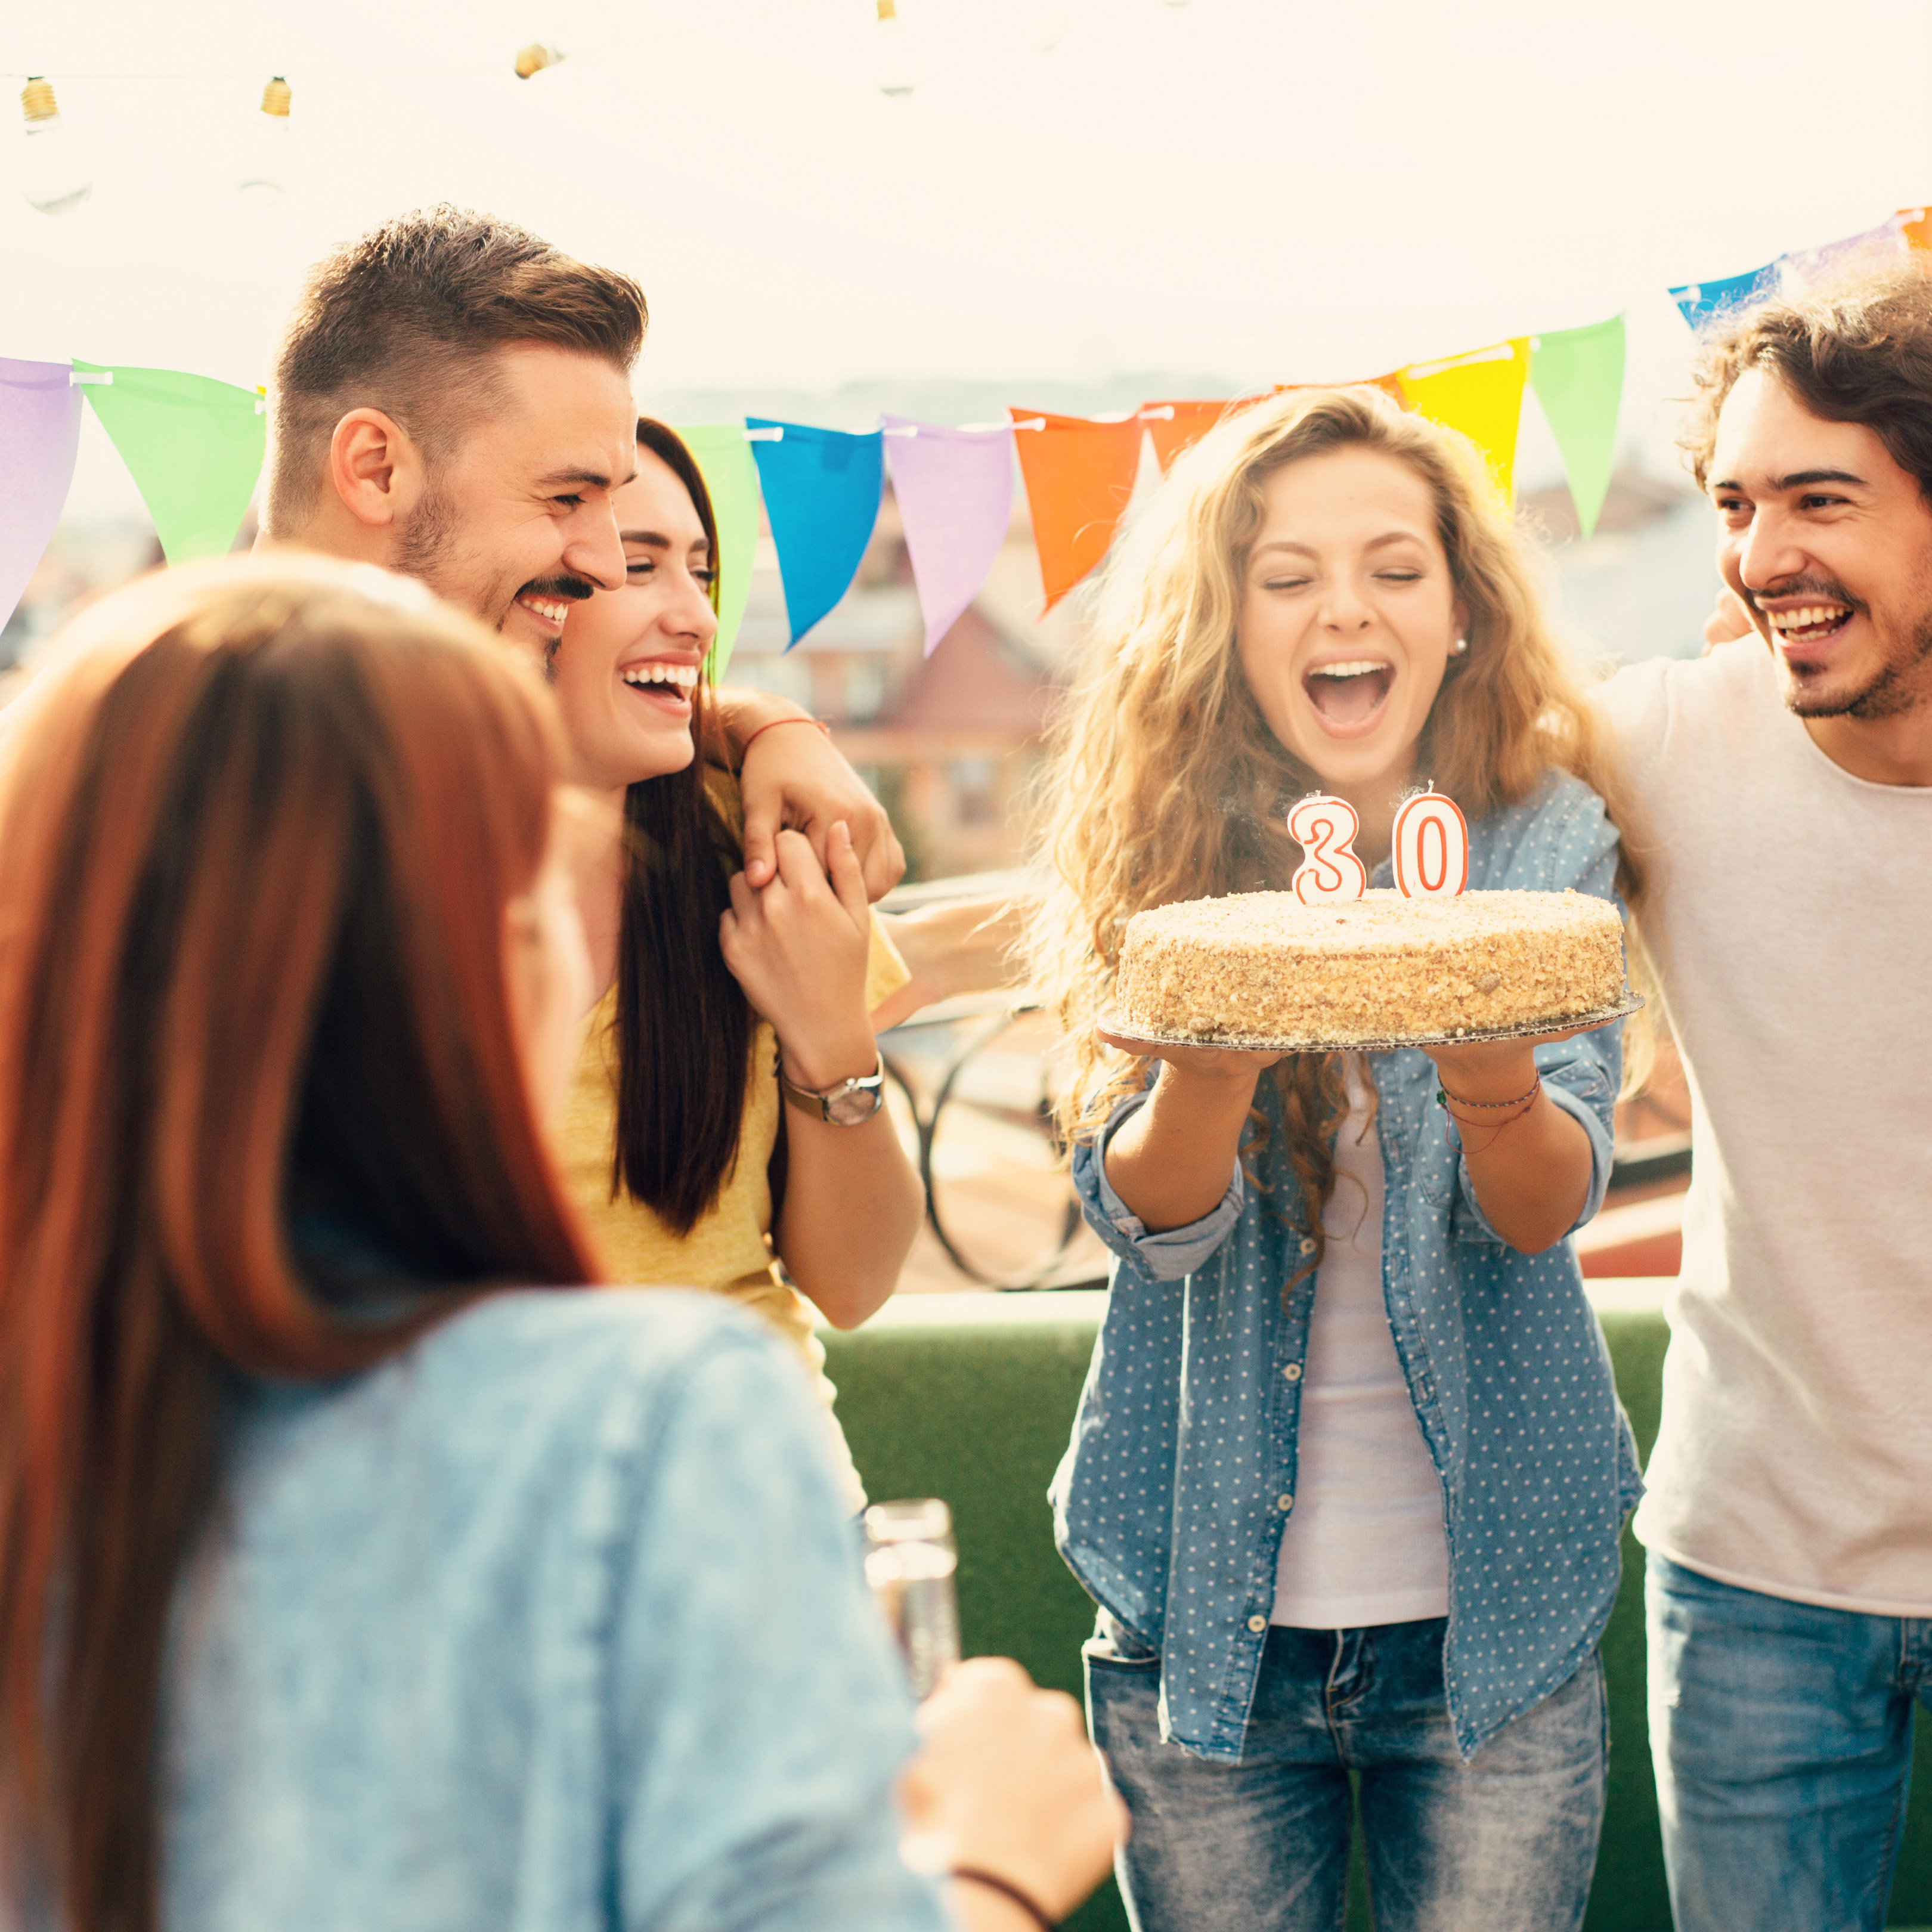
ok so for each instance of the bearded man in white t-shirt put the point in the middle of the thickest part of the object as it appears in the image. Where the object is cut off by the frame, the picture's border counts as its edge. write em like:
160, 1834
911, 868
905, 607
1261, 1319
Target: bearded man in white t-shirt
1783, 795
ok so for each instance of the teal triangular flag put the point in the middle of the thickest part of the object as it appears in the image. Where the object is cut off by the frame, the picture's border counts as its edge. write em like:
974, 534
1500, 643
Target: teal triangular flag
1578, 376
193, 446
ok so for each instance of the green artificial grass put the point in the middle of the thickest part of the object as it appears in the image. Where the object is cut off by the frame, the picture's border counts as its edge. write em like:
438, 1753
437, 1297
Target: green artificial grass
979, 1413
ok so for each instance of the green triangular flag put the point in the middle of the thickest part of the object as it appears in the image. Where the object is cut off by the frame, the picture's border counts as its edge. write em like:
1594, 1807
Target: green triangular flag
724, 461
1578, 376
193, 446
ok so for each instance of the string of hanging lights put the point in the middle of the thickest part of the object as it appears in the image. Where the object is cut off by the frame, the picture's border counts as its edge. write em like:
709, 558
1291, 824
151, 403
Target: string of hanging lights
57, 172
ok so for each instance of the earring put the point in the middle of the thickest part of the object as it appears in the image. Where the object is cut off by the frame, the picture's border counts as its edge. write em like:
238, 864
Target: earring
1461, 645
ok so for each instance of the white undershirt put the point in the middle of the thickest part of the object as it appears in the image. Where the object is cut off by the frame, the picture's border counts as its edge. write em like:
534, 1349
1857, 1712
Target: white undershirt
1791, 928
1364, 1542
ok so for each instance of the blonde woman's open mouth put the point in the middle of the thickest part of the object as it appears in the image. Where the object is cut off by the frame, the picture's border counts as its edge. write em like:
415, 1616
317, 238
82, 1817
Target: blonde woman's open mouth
1349, 696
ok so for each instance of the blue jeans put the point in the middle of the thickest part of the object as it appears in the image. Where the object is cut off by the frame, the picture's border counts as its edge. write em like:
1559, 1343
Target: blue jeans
1781, 1734
1504, 1842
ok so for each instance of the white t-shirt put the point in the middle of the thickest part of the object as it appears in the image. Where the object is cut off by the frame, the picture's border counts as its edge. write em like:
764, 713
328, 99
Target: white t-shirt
1363, 1544
1789, 919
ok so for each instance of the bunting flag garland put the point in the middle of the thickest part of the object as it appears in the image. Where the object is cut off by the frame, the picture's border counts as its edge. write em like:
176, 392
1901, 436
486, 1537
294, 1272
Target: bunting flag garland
724, 460
193, 446
821, 489
1578, 376
1079, 475
955, 488
40, 433
1481, 395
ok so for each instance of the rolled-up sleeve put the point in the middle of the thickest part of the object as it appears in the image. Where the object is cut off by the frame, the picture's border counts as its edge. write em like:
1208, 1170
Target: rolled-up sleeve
1174, 1252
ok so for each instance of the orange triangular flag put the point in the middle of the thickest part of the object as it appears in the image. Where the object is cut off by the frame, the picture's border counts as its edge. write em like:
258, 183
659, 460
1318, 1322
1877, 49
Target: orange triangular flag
1079, 475
1176, 426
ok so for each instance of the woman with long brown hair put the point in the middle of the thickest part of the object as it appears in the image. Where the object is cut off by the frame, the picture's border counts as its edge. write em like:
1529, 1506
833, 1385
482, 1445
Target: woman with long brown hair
1349, 1473
727, 1120
352, 1571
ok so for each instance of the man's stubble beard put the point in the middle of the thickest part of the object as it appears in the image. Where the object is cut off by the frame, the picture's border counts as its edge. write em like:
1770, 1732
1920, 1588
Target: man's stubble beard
426, 549
1900, 685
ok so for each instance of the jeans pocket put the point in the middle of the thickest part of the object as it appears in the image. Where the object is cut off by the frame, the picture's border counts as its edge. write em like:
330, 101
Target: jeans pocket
1115, 1647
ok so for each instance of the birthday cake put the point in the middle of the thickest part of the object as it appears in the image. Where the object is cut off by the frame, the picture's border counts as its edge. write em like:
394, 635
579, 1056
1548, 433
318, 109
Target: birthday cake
1264, 966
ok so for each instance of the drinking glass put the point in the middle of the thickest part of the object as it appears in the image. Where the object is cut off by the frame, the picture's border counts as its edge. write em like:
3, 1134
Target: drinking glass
909, 1564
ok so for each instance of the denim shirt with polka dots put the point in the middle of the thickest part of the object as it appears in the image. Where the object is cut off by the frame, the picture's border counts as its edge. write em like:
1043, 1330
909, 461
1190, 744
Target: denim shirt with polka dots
1170, 1502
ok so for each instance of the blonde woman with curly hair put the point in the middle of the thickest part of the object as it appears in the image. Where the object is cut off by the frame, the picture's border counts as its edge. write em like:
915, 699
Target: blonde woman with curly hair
1349, 1470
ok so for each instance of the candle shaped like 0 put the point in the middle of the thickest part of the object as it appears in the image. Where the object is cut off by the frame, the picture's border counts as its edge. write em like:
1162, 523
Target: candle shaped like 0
1430, 849
1324, 828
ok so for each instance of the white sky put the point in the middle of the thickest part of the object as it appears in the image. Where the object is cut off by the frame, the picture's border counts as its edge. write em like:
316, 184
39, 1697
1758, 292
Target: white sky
1269, 190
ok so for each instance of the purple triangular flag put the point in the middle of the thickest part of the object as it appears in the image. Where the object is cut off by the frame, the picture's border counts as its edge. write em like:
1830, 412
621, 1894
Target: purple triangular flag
39, 434
955, 488
1877, 246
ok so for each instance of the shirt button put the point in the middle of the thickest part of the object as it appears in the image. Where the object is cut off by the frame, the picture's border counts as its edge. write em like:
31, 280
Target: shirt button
1284, 1504
1257, 1625
1293, 1372
1308, 1244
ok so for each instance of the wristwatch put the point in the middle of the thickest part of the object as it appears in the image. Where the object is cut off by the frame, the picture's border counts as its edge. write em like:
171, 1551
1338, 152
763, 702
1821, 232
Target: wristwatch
851, 1103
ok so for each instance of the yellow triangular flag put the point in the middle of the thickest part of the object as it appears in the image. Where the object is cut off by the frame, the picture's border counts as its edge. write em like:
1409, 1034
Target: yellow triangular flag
1480, 394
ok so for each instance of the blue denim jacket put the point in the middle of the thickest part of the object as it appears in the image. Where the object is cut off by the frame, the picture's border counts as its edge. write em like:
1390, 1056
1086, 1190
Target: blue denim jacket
1167, 1503
554, 1622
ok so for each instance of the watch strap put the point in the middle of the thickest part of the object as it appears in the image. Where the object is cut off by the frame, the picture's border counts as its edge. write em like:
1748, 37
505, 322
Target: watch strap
819, 1101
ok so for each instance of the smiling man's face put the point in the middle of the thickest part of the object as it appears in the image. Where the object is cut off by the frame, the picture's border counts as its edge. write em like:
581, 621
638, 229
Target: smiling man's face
516, 523
1828, 543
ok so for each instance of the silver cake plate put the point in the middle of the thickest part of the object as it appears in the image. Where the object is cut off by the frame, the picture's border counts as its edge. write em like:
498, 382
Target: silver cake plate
1468, 1036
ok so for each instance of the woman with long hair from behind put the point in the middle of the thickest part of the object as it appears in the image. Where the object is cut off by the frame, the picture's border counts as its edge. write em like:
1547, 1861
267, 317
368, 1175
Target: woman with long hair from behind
351, 1573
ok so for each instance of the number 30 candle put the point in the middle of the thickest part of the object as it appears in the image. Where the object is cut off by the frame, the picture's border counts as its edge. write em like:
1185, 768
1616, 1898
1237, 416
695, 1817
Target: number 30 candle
1431, 847
1430, 853
1324, 828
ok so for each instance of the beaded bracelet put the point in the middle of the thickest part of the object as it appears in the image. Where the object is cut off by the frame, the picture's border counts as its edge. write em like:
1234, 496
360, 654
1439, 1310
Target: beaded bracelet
1525, 1105
1006, 1888
1442, 1099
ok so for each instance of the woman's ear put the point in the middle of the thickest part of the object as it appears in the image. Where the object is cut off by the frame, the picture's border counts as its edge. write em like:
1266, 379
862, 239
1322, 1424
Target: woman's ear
1459, 617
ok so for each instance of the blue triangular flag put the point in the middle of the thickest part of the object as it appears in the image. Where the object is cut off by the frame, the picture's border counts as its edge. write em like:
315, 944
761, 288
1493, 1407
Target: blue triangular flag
821, 489
1701, 303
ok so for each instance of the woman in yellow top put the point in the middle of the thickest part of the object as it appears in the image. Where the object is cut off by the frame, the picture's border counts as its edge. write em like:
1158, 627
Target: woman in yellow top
715, 999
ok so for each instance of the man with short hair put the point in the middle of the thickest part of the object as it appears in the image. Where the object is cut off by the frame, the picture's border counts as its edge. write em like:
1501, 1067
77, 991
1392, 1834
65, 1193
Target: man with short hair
1783, 809
452, 399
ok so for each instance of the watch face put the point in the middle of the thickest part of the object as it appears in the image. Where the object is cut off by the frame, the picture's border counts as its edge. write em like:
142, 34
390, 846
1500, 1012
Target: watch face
855, 1105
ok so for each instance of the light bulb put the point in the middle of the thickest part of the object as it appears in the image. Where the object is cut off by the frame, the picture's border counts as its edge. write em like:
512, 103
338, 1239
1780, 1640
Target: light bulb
892, 53
264, 176
55, 174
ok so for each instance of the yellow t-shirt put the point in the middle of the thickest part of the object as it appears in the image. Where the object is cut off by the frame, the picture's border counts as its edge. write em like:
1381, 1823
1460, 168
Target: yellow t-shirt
728, 1251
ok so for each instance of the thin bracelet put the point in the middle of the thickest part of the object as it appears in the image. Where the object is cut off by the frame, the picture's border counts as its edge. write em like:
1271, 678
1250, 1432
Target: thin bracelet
1498, 1128
1442, 1099
772, 724
1006, 1888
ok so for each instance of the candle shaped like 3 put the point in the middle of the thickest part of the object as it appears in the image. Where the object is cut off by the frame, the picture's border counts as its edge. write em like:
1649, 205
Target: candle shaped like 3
1430, 848
1324, 828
